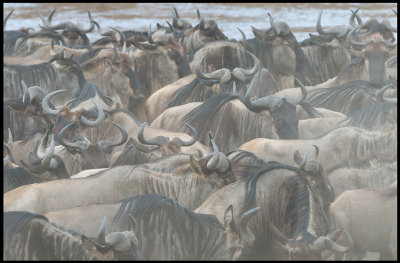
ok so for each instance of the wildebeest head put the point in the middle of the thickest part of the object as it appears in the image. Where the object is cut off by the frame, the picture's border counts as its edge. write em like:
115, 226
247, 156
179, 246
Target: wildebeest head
74, 32
306, 246
279, 33
116, 245
115, 75
214, 165
164, 145
374, 50
209, 28
225, 78
283, 110
65, 116
316, 177
92, 155
239, 236
179, 23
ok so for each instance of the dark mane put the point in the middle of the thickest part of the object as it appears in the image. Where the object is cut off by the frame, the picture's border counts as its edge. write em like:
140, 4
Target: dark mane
290, 203
13, 220
370, 117
311, 111
10, 39
245, 170
342, 93
200, 116
35, 74
140, 206
130, 156
89, 91
252, 180
18, 176
196, 89
88, 55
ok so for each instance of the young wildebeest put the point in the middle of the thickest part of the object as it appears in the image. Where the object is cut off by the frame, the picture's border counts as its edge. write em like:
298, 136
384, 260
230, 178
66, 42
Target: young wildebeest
294, 220
184, 235
189, 181
30, 236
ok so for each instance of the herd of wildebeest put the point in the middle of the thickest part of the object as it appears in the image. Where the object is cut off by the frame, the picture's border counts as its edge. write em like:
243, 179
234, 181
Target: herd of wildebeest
179, 143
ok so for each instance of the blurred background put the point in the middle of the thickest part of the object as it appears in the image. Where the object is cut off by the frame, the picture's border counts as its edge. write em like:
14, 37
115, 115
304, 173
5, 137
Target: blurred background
301, 17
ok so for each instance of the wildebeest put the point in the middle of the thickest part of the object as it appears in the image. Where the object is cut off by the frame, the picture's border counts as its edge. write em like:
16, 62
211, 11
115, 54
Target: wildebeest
370, 217
74, 34
294, 203
207, 30
137, 152
346, 98
376, 176
30, 236
341, 147
14, 177
279, 52
200, 88
233, 120
196, 236
179, 176
70, 158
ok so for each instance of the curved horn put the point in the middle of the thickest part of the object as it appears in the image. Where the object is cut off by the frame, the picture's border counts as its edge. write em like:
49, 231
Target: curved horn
303, 92
150, 36
26, 99
41, 150
303, 163
325, 243
213, 162
80, 145
62, 51
121, 35
243, 35
45, 102
264, 103
10, 139
66, 104
389, 45
48, 156
92, 24
223, 75
394, 11
380, 96
101, 237
191, 141
337, 31
244, 219
117, 56
159, 140
273, 26
105, 145
354, 15
316, 151
278, 234
353, 42
251, 71
6, 18
100, 117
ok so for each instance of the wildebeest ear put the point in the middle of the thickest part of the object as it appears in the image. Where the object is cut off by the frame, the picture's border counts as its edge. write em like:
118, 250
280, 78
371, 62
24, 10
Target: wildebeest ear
228, 219
297, 157
259, 34
108, 63
194, 164
88, 244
